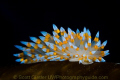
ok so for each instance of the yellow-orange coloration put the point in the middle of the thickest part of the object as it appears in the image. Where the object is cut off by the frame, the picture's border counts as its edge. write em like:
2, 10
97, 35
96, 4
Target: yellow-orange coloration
85, 48
102, 53
77, 49
33, 56
96, 39
80, 37
89, 44
46, 56
64, 42
36, 46
95, 47
57, 36
54, 48
71, 46
85, 57
21, 54
57, 31
90, 53
48, 50
39, 55
28, 44
66, 38
43, 47
80, 58
62, 45
54, 53
47, 36
32, 50
21, 59
72, 40
69, 36
81, 42
94, 58
63, 50
72, 33
68, 54
66, 48
26, 60
102, 47
85, 60
61, 57
66, 58
90, 37
46, 40
73, 56
62, 33
100, 58
56, 42
86, 36
38, 41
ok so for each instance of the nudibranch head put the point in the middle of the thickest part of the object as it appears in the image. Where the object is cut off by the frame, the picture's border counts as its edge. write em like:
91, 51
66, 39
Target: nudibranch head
72, 46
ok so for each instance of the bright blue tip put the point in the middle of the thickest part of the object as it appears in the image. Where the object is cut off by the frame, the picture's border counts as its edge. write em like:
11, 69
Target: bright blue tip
40, 45
62, 60
32, 44
47, 43
55, 27
69, 30
103, 60
33, 39
97, 35
44, 60
97, 60
77, 31
81, 34
42, 38
54, 33
17, 60
84, 30
88, 32
89, 40
43, 33
16, 55
107, 54
106, 51
104, 43
23, 42
19, 47
62, 29
98, 43
80, 61
22, 62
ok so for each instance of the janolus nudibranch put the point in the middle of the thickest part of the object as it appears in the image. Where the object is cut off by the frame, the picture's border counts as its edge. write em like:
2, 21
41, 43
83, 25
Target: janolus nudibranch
72, 46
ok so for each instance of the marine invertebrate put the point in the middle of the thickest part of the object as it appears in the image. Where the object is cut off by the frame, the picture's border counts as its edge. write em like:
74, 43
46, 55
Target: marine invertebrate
72, 46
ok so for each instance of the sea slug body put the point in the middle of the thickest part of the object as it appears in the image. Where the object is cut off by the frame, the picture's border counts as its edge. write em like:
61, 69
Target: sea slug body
72, 46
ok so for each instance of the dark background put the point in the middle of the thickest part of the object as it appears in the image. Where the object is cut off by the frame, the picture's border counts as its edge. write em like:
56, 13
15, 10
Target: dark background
22, 19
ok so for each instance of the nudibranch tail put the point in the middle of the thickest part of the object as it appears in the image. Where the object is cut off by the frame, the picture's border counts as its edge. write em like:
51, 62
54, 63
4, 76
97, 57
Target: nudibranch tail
72, 46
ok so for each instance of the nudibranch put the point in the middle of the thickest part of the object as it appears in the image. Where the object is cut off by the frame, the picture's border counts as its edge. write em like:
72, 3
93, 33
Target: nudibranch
61, 46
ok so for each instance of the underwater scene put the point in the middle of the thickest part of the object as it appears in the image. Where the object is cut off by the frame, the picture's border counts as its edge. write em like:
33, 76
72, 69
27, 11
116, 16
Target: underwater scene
60, 42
